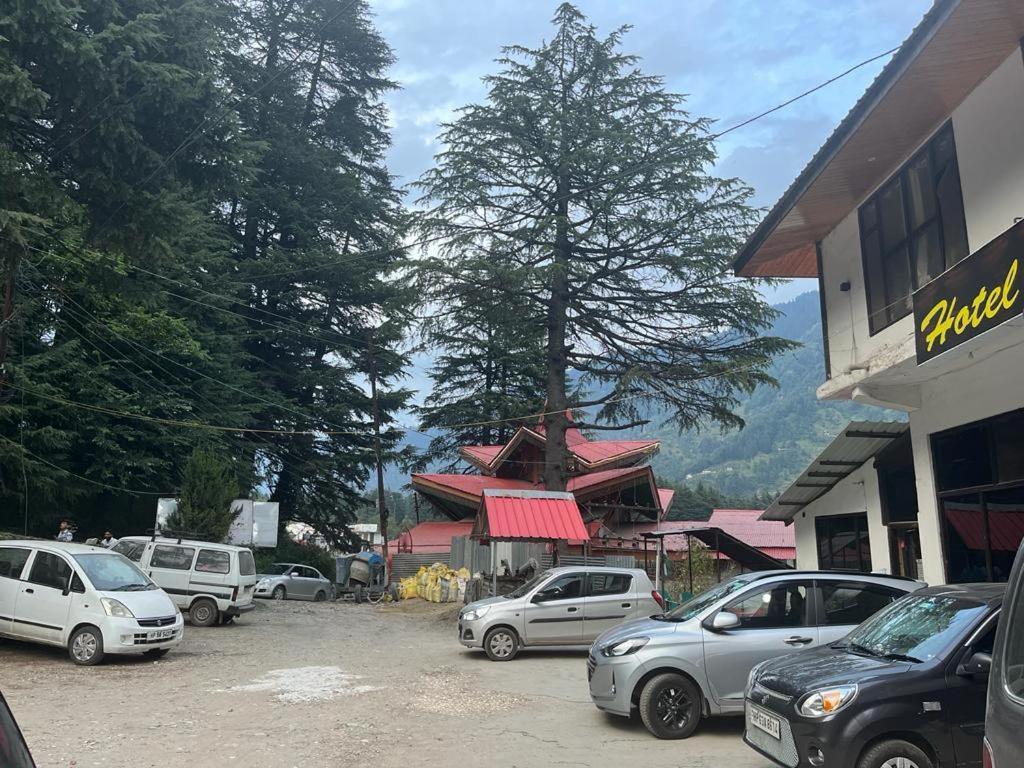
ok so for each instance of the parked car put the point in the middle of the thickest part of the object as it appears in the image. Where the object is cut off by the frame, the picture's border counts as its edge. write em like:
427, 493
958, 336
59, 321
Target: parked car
87, 599
13, 749
905, 689
1006, 688
693, 661
211, 582
291, 581
561, 606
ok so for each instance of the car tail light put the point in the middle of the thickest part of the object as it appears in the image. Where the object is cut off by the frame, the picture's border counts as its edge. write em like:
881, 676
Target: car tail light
659, 599
234, 594
988, 761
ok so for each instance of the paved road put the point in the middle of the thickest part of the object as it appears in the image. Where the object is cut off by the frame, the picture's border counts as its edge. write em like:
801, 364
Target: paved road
302, 684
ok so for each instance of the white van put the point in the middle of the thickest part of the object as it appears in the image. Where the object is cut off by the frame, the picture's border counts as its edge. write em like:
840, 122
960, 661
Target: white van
212, 582
87, 599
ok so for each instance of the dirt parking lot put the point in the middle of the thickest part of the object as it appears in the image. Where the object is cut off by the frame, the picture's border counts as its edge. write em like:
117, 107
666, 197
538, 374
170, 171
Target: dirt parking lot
328, 684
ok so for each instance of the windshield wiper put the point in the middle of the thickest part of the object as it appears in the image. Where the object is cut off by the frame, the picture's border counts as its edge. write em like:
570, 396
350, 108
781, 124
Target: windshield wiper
861, 649
901, 657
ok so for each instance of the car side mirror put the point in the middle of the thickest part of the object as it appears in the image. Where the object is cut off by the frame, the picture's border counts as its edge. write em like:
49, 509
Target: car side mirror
724, 620
979, 665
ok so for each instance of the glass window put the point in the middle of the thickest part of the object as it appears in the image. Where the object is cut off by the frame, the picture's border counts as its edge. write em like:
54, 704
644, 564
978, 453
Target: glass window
131, 549
912, 230
850, 603
609, 583
175, 558
918, 626
707, 598
565, 587
1013, 653
1008, 446
962, 458
12, 561
246, 563
50, 570
775, 607
212, 561
113, 573
843, 543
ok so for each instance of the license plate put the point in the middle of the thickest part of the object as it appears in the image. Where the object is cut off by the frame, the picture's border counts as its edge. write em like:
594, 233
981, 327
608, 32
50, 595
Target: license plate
765, 722
161, 634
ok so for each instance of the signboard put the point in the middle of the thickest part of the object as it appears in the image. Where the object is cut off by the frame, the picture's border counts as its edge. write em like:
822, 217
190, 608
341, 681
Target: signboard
984, 290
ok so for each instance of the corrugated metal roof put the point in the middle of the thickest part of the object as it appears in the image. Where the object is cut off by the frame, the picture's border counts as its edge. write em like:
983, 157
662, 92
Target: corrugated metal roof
769, 536
433, 536
530, 516
858, 442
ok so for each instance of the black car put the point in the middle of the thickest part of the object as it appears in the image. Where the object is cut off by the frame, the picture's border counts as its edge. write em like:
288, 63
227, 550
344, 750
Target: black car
1006, 690
905, 689
13, 751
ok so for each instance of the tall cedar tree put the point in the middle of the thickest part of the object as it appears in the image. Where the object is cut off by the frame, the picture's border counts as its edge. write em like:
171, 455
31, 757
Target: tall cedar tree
208, 486
489, 363
595, 183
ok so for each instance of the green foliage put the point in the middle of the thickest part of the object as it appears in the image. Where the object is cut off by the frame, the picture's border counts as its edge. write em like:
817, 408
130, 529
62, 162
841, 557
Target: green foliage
208, 486
594, 187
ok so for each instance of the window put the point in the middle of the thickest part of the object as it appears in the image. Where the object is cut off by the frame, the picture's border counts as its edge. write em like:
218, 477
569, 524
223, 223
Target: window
50, 570
843, 543
175, 558
778, 606
212, 561
565, 587
246, 563
1013, 644
609, 584
131, 549
12, 561
848, 603
912, 230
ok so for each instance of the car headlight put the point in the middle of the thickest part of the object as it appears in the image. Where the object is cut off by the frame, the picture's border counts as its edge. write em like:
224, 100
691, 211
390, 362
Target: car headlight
262, 584
625, 647
476, 613
827, 701
116, 608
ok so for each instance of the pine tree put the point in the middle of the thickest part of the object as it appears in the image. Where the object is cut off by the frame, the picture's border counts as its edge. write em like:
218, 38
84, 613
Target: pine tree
208, 486
594, 183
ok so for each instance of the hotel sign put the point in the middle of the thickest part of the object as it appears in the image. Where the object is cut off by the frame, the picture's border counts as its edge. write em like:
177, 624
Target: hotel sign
984, 290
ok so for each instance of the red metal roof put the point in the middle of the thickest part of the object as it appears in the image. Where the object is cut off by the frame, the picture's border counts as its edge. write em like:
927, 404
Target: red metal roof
530, 516
775, 539
430, 537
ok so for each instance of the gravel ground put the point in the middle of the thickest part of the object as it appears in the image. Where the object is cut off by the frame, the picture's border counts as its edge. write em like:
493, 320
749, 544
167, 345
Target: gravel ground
328, 684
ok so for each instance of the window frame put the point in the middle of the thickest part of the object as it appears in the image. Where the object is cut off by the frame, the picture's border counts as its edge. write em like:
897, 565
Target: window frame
582, 575
186, 569
28, 555
860, 517
760, 587
607, 575
218, 552
35, 560
839, 583
910, 233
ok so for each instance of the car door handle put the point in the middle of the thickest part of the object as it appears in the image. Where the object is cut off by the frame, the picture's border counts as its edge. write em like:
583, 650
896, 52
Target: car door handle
627, 605
30, 591
572, 610
798, 640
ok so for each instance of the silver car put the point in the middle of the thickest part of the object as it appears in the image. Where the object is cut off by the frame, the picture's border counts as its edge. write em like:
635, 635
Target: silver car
694, 661
562, 606
291, 581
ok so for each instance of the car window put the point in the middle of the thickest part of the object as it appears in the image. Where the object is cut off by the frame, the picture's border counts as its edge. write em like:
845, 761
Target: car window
565, 587
307, 573
131, 549
12, 561
174, 558
851, 602
609, 584
50, 570
774, 607
246, 563
212, 561
1013, 653
314, 573
709, 597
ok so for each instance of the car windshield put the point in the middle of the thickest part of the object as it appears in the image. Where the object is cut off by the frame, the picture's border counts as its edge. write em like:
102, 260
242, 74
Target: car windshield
916, 628
520, 591
707, 598
278, 569
111, 572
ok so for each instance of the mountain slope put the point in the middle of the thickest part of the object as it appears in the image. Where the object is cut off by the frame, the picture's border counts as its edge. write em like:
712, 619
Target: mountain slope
785, 427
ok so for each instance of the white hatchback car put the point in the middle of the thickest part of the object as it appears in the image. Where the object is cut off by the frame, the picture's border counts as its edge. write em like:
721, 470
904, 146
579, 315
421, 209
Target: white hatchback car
88, 599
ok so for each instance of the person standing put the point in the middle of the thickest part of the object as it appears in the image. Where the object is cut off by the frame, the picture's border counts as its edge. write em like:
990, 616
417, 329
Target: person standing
108, 540
65, 533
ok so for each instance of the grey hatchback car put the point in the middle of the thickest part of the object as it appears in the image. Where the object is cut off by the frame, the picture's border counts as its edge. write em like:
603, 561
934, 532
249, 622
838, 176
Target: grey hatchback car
694, 661
291, 581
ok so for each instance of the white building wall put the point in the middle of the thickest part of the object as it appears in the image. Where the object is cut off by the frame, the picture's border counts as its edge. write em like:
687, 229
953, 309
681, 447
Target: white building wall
988, 128
854, 494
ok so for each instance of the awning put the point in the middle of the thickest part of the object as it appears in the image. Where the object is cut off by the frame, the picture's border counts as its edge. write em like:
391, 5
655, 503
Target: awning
529, 516
858, 442
747, 556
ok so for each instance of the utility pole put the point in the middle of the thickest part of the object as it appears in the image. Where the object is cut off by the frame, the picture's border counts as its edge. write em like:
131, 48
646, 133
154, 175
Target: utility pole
382, 506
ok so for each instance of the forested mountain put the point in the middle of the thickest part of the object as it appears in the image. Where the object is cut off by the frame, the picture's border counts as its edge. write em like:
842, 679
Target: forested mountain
786, 427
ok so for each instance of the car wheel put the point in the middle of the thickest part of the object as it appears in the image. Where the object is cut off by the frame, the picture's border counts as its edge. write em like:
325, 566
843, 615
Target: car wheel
86, 646
156, 653
279, 593
203, 613
670, 706
895, 753
319, 597
501, 644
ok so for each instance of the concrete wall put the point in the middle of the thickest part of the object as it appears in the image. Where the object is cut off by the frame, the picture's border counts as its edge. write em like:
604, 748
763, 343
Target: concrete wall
988, 128
855, 493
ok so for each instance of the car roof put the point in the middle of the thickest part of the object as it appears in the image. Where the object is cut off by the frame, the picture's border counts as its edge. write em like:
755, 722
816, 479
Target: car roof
985, 592
184, 542
595, 569
878, 578
70, 548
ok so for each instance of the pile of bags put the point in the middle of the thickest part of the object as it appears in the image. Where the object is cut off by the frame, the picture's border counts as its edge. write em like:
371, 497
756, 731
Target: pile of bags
438, 584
